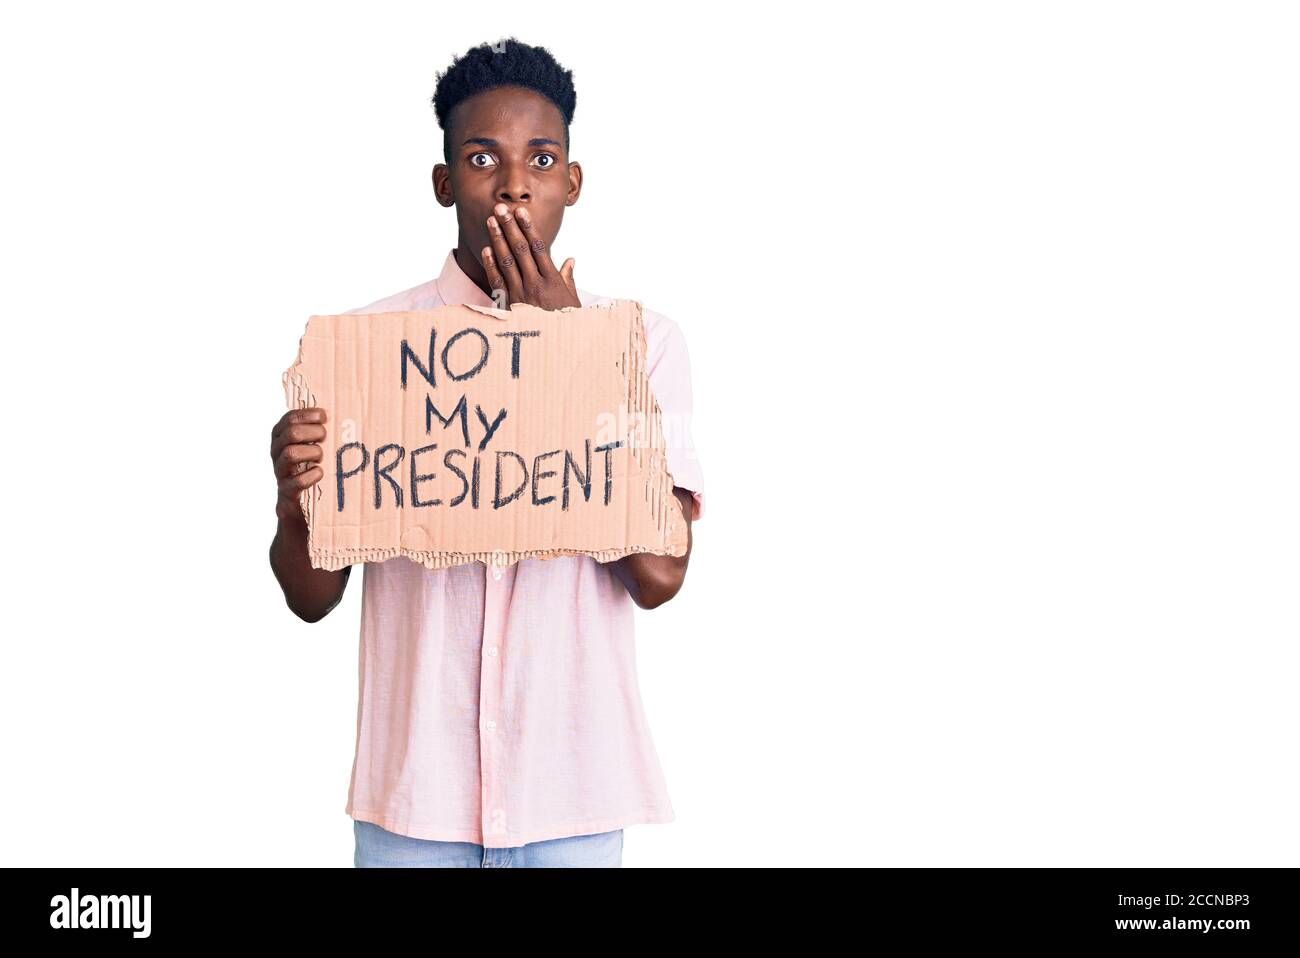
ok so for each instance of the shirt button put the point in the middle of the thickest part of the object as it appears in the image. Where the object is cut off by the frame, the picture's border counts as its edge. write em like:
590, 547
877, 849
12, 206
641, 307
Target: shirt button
489, 725
492, 651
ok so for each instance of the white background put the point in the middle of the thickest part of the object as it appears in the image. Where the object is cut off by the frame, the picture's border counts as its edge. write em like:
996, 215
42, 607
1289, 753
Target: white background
992, 312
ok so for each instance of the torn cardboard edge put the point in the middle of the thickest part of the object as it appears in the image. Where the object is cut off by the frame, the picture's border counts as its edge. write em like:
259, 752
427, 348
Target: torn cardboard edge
650, 454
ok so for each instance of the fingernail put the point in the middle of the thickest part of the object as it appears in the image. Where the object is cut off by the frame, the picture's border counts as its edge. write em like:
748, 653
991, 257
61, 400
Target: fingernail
492, 223
501, 210
523, 216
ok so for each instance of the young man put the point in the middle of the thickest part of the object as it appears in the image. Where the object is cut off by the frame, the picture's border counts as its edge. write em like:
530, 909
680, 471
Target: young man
499, 721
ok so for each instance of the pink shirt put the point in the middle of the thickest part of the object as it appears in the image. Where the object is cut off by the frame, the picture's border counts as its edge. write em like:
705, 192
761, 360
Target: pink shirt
502, 708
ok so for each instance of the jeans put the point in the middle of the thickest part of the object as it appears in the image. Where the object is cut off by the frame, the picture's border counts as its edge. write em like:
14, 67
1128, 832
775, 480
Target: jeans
377, 847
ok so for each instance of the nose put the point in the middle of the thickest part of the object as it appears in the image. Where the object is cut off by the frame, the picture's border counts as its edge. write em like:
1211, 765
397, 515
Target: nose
513, 185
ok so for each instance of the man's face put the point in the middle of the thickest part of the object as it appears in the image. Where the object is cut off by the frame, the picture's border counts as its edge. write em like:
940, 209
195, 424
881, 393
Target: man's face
507, 146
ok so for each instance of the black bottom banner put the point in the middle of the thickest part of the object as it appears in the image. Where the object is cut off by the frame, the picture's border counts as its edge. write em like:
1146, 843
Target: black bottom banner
1228, 909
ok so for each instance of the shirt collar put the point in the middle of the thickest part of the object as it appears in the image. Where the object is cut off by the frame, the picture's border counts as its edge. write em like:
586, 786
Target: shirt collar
455, 288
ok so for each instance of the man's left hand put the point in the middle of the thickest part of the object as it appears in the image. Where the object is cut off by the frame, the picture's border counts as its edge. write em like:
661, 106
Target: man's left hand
519, 263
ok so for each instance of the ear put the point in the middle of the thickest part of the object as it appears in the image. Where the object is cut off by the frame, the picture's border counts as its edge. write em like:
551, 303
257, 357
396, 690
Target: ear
442, 189
575, 184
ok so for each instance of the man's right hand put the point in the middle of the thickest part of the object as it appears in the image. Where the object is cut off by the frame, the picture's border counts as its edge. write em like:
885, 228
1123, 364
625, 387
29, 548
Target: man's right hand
295, 440
295, 444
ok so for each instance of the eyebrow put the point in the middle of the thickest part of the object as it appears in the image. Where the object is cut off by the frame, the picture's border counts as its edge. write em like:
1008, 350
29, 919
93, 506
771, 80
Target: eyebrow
487, 141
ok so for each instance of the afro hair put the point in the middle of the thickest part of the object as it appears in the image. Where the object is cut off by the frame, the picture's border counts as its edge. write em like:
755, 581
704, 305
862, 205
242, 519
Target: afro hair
505, 63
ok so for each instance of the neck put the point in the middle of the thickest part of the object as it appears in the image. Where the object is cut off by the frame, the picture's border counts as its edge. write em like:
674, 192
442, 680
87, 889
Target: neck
472, 268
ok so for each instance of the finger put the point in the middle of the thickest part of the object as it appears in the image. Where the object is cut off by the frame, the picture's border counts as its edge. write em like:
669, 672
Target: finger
536, 245
286, 464
292, 485
495, 279
296, 432
306, 414
505, 261
518, 244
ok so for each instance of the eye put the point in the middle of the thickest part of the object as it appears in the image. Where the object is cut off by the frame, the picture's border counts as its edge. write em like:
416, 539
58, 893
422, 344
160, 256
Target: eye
548, 157
473, 160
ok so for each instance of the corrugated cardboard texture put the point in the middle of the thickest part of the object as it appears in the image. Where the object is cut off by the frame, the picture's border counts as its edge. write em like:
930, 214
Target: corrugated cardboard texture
556, 384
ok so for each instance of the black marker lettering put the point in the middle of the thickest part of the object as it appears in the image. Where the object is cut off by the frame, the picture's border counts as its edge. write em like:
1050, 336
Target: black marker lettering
483, 341
542, 475
384, 472
514, 348
417, 479
497, 501
491, 428
430, 410
446, 461
426, 373
606, 449
584, 479
339, 474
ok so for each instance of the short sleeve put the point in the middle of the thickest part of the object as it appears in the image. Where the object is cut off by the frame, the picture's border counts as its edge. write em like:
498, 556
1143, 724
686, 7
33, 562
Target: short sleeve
669, 372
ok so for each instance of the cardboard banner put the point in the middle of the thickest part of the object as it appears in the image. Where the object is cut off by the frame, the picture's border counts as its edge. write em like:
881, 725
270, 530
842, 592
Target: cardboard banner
467, 433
